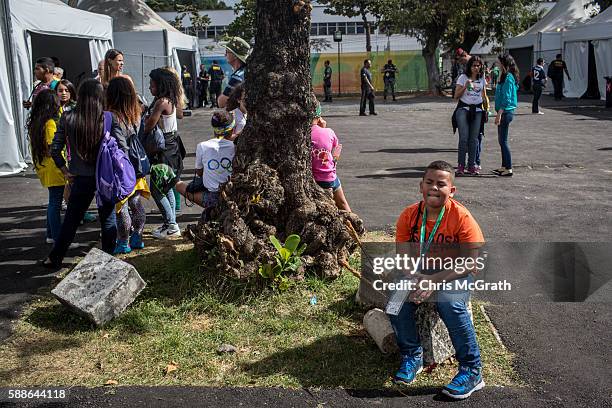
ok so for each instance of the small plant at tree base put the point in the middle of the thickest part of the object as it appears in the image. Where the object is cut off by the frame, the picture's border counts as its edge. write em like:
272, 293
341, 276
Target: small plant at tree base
287, 260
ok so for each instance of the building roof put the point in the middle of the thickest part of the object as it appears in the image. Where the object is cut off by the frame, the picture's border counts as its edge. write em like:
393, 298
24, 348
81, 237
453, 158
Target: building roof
128, 15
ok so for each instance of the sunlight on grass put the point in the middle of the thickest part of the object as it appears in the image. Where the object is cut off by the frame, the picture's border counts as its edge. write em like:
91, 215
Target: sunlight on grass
281, 339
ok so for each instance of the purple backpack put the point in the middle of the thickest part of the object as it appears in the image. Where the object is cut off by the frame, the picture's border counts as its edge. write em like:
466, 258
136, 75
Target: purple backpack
115, 175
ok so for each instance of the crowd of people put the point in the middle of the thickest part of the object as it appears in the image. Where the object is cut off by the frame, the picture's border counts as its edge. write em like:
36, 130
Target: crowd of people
71, 129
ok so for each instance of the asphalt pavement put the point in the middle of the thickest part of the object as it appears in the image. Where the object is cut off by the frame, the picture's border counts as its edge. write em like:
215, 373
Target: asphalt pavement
561, 191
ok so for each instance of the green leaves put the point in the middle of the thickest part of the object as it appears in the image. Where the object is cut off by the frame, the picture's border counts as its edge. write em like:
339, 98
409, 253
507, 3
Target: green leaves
287, 259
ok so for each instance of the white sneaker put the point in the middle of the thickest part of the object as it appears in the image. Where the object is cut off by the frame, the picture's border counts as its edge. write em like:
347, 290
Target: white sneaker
71, 246
540, 113
168, 232
159, 229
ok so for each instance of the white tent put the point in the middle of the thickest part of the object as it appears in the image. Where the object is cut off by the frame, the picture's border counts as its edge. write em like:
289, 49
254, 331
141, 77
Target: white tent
146, 39
576, 52
543, 39
34, 29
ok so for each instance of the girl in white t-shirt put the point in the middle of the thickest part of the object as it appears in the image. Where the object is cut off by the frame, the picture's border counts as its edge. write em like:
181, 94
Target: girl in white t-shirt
470, 114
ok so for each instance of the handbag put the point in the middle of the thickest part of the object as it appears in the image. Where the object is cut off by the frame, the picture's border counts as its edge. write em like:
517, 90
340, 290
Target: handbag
138, 155
152, 142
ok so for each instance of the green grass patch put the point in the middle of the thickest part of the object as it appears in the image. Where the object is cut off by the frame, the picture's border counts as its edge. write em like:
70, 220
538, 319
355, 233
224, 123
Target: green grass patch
181, 318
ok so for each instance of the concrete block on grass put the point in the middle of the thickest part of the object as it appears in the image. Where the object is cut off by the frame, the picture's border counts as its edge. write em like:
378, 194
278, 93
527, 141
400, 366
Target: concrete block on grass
437, 346
100, 287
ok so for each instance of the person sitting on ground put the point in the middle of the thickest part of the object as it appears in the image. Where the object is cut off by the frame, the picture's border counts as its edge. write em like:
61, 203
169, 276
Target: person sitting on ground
236, 105
440, 219
43, 71
213, 163
325, 153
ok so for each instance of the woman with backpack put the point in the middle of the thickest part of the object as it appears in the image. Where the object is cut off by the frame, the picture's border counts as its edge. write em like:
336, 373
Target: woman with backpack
165, 109
122, 102
81, 131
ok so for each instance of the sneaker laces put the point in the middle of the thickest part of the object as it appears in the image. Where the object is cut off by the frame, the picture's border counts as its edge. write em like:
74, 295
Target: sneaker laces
408, 364
462, 377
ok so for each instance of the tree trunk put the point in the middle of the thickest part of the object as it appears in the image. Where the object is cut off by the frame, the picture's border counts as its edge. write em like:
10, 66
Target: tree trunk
470, 38
366, 29
431, 63
272, 190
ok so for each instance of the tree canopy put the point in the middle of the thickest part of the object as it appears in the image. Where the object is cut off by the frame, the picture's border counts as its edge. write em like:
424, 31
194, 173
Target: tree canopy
170, 5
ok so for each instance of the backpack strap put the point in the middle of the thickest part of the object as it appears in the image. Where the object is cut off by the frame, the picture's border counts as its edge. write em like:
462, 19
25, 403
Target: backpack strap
108, 121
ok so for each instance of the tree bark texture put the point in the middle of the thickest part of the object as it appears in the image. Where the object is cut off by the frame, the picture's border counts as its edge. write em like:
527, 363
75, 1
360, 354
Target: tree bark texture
272, 190
431, 63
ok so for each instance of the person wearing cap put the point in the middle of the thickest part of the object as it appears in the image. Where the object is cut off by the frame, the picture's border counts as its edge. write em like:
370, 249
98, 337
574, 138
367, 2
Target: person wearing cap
236, 51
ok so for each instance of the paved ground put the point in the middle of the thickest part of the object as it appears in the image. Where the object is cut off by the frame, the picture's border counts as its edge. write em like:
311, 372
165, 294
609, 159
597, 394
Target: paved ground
561, 191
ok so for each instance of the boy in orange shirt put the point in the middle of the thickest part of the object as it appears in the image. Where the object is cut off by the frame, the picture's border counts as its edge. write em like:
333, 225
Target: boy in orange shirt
446, 222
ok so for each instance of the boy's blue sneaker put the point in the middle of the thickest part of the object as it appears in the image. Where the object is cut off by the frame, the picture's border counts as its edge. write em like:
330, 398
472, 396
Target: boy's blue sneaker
465, 383
136, 241
122, 247
408, 370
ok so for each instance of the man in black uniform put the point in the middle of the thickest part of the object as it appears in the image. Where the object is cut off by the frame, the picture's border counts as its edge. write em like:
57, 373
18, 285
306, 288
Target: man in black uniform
367, 89
216, 80
187, 86
389, 71
327, 75
203, 79
555, 72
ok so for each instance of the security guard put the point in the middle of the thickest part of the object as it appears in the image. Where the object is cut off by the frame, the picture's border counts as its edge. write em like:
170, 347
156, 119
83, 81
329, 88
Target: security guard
389, 71
216, 80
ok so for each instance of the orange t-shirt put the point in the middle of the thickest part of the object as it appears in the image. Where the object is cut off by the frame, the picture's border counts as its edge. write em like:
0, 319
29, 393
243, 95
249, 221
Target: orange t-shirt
457, 226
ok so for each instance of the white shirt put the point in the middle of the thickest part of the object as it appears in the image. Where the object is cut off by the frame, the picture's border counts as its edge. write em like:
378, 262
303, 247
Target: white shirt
215, 157
474, 96
240, 119
168, 122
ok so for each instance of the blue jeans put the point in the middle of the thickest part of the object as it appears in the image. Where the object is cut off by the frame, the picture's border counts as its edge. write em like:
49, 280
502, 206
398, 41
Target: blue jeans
452, 308
479, 148
54, 217
468, 136
166, 204
502, 137
81, 194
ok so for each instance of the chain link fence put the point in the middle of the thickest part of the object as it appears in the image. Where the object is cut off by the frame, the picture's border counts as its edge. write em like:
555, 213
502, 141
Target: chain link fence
138, 67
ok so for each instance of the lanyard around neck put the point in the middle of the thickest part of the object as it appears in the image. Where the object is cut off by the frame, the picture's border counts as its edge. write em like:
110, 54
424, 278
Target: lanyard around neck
425, 248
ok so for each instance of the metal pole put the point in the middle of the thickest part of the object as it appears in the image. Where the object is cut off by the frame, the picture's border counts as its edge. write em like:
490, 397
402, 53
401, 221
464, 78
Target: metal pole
339, 69
142, 73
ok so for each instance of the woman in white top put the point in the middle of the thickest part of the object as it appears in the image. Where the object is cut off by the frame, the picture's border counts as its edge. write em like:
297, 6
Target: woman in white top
166, 107
471, 93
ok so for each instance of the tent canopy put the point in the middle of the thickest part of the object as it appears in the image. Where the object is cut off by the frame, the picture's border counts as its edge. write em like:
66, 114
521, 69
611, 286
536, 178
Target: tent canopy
598, 32
45, 28
146, 39
565, 14
599, 27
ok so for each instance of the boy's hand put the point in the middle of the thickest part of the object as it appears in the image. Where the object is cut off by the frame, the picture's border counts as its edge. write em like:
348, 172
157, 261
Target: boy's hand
420, 295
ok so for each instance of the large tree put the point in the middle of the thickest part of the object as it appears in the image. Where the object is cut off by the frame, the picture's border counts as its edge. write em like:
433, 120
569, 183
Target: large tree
272, 191
452, 23
356, 8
